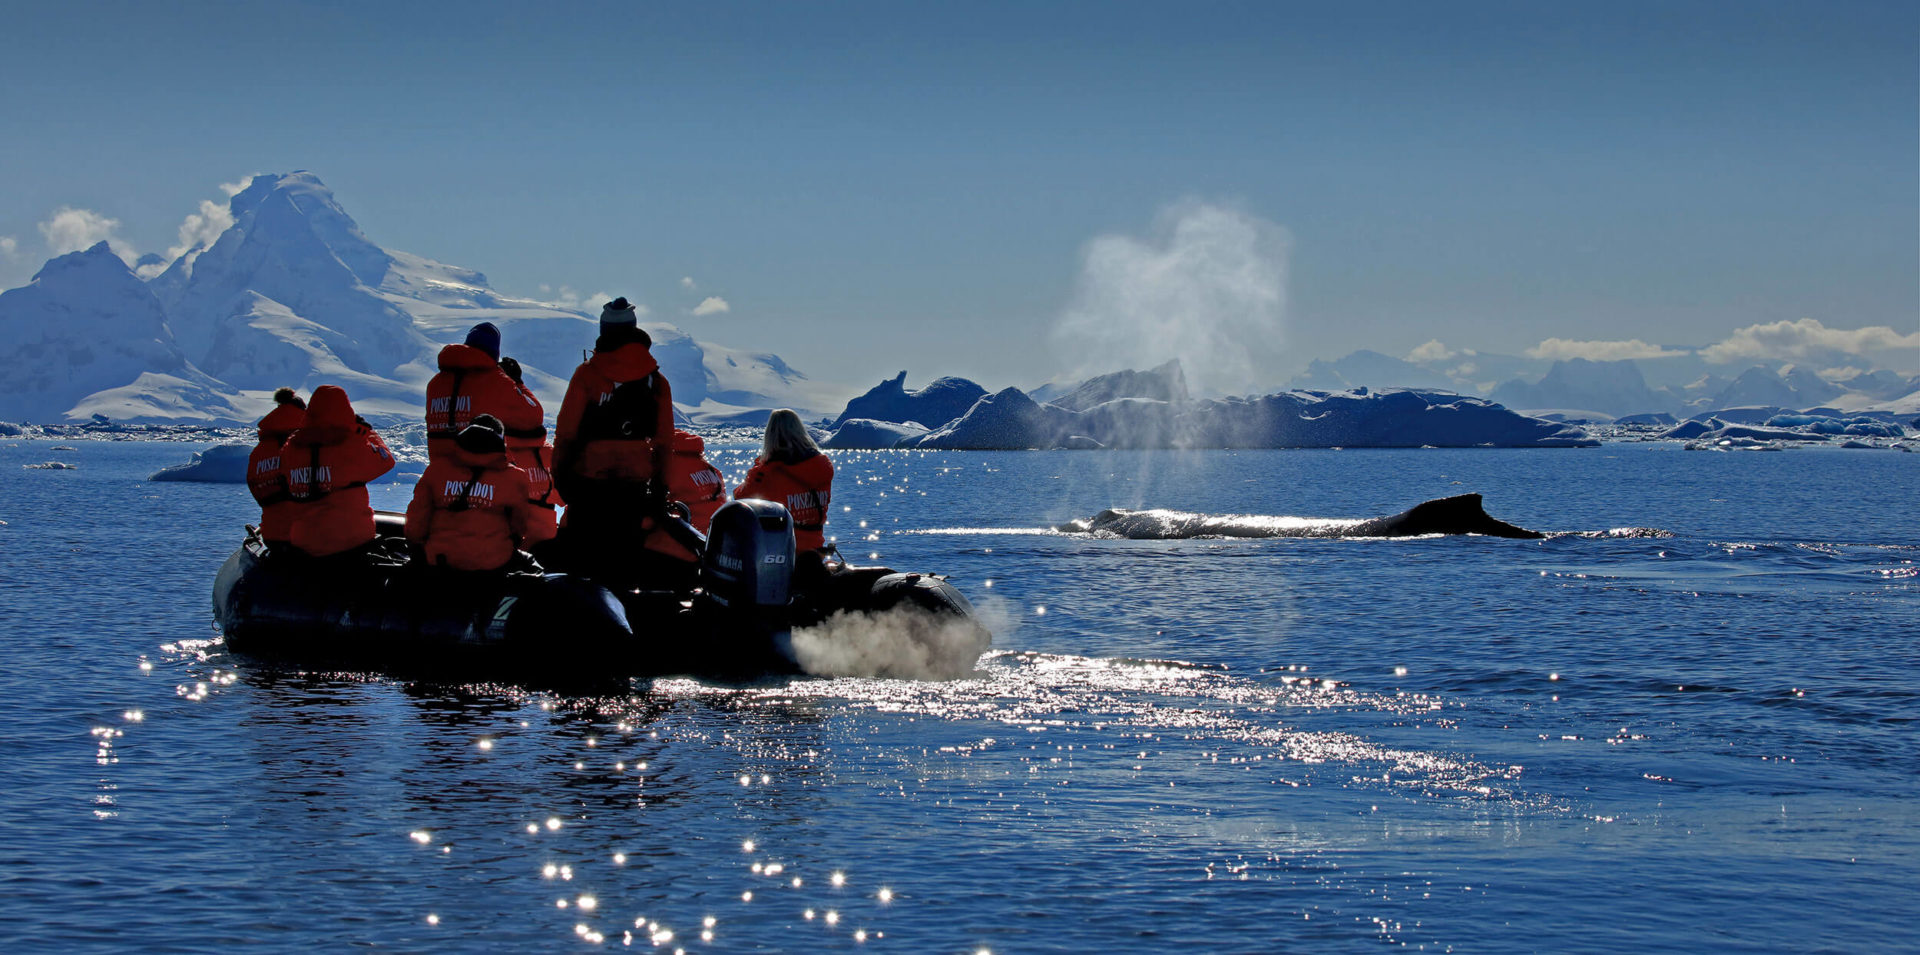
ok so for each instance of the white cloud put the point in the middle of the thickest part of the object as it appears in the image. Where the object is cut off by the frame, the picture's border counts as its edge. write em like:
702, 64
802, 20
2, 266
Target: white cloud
713, 305
200, 229
1207, 286
686, 282
1431, 351
71, 230
9, 247
566, 297
1557, 349
1805, 340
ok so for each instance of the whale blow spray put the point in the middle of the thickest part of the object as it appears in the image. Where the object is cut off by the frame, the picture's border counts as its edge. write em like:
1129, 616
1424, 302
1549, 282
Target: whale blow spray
1208, 286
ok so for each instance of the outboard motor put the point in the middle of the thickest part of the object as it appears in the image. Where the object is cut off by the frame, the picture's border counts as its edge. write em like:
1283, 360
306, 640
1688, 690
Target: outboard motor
746, 574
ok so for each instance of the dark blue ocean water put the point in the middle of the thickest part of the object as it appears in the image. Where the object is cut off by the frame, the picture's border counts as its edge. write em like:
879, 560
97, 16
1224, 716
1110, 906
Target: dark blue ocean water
1703, 741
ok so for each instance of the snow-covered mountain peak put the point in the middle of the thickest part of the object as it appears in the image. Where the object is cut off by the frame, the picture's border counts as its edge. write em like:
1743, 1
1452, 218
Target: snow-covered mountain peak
320, 212
98, 263
84, 324
293, 293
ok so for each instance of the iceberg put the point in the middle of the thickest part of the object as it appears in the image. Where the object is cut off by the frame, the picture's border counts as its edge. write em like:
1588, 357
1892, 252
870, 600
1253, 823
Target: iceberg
1829, 425
1780, 429
1010, 419
220, 464
1688, 430
941, 401
1165, 383
1006, 420
868, 433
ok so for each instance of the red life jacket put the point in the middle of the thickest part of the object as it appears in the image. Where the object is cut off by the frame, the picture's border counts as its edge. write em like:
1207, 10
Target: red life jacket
326, 465
805, 487
469, 511
543, 518
530, 452
694, 482
616, 419
471, 383
264, 479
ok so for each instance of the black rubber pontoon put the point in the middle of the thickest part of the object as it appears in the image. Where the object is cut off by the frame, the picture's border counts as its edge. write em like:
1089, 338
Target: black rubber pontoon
361, 612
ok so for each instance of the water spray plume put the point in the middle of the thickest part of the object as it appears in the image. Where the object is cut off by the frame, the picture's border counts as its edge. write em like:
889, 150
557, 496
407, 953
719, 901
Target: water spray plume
902, 643
1208, 287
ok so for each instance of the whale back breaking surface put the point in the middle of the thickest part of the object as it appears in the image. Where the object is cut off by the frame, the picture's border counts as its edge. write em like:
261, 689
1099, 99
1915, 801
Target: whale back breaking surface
1461, 514
1162, 524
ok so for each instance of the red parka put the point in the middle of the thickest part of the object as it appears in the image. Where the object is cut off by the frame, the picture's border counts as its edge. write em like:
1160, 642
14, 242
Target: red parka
530, 452
327, 464
609, 432
471, 383
694, 482
470, 510
264, 479
804, 486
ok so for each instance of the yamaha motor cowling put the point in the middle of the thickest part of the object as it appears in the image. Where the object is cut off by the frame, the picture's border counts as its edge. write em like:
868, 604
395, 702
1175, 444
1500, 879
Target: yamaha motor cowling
746, 574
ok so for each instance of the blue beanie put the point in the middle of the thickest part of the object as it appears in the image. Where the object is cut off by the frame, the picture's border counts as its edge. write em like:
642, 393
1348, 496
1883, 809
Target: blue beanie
485, 337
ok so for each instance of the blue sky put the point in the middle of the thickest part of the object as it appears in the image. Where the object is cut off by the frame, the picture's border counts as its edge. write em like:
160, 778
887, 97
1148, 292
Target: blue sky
872, 187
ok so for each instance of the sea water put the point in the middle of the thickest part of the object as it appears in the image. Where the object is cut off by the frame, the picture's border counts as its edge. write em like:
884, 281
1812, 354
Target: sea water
1588, 743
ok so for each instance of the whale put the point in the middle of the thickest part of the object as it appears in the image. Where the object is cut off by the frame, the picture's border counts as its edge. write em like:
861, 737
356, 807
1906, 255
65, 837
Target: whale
1460, 514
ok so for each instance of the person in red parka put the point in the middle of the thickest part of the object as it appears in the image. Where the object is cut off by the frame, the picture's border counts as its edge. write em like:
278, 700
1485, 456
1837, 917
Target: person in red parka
617, 417
529, 451
327, 465
471, 383
610, 449
469, 511
703, 489
694, 482
474, 380
264, 479
790, 470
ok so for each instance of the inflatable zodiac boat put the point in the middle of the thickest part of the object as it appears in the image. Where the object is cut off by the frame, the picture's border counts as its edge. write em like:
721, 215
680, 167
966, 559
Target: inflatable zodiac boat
734, 621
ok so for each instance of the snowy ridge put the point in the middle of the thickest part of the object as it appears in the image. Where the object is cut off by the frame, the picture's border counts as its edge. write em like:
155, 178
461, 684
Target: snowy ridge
84, 326
293, 293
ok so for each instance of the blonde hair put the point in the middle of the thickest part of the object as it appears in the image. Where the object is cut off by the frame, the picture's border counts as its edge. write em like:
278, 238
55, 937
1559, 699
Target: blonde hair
787, 439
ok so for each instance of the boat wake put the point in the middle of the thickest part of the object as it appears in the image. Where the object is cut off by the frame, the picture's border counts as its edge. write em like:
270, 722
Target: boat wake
902, 643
